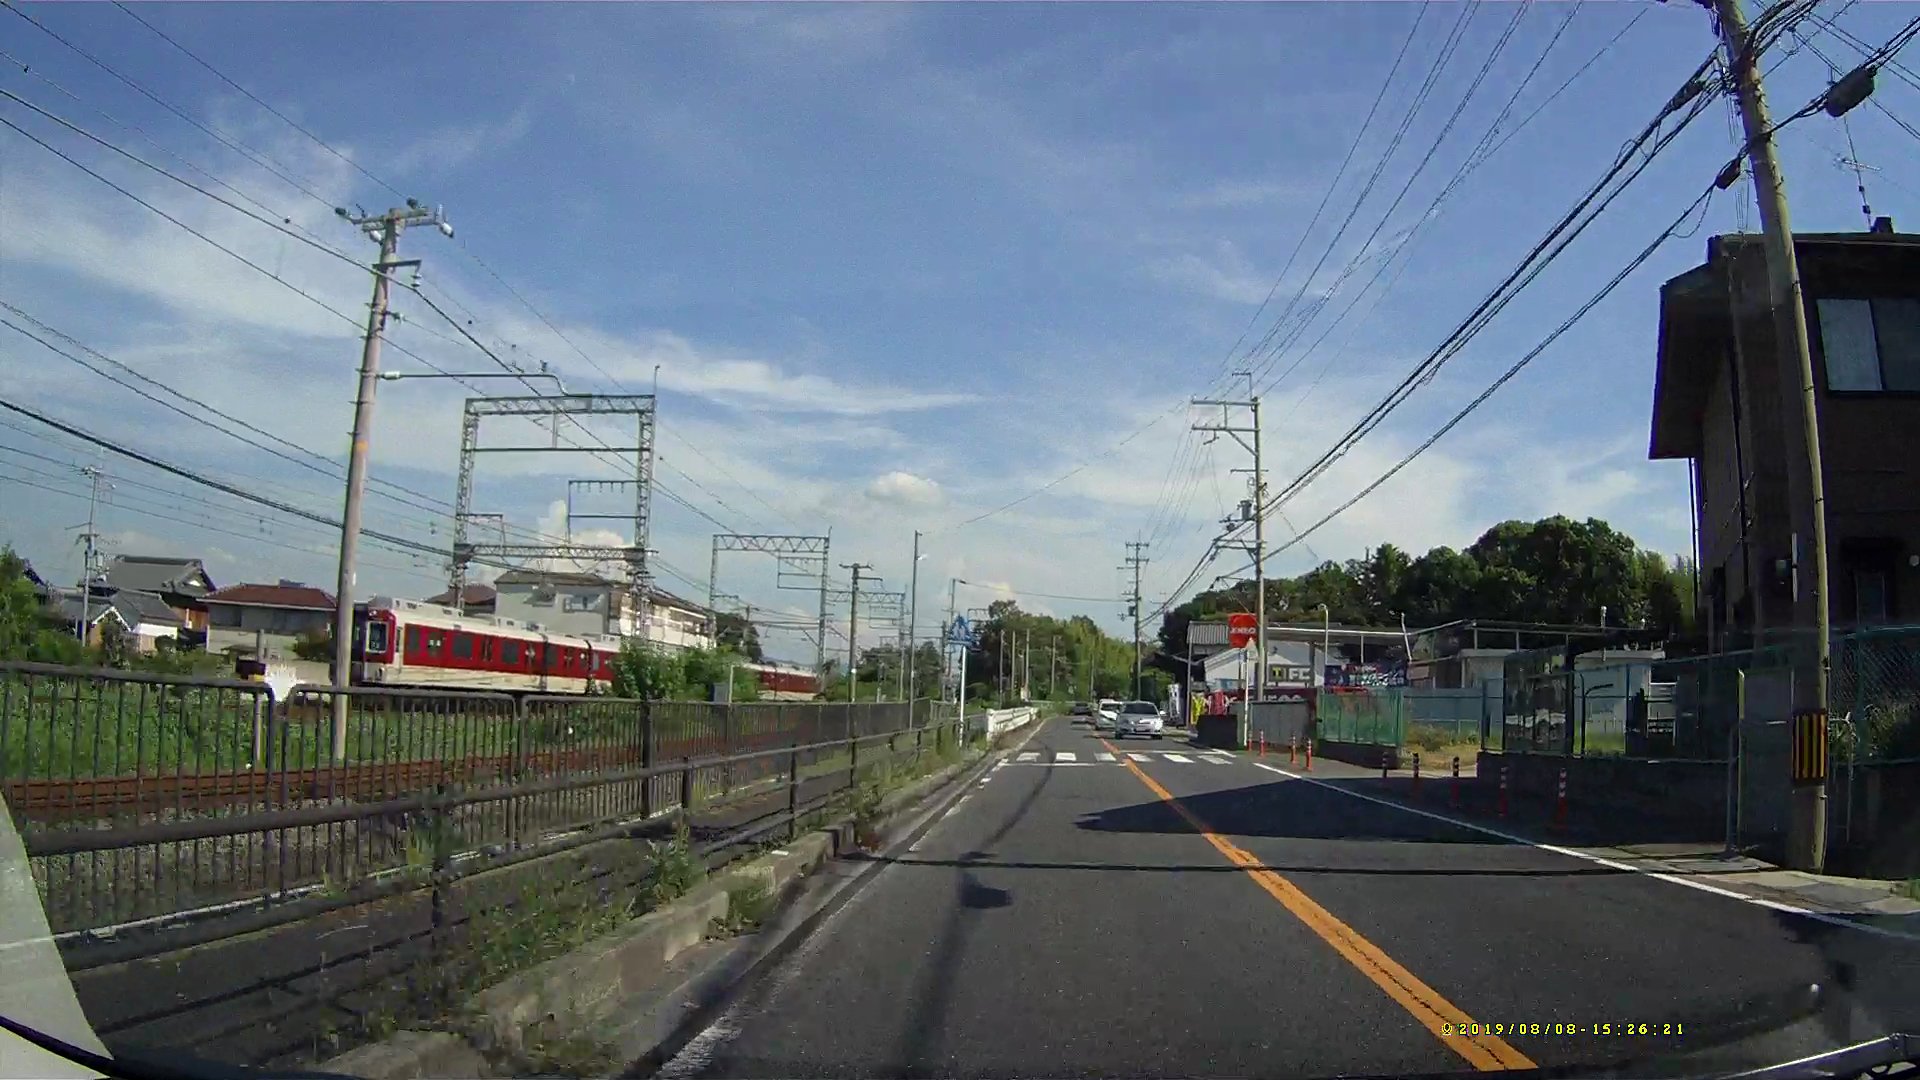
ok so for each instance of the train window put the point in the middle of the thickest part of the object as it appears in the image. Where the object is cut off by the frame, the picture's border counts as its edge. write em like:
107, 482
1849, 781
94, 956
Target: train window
510, 652
463, 646
553, 658
413, 641
376, 638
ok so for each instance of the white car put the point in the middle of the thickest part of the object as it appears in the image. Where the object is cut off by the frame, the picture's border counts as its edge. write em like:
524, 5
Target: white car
1138, 718
1105, 713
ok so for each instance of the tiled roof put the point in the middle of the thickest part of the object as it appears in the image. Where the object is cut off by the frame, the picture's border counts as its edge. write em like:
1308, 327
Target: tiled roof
473, 594
158, 574
144, 607
548, 577
282, 596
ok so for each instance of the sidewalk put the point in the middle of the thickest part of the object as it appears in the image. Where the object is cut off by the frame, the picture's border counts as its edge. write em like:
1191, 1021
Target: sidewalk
1642, 844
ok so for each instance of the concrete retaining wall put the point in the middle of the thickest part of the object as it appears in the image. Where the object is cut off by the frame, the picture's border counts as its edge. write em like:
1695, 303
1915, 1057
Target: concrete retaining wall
1691, 793
1366, 755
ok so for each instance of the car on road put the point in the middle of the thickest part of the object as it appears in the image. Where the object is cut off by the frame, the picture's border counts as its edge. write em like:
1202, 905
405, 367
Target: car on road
1104, 714
1080, 708
1138, 718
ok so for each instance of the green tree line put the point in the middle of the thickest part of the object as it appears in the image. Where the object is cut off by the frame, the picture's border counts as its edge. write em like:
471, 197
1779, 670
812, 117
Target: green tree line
1555, 570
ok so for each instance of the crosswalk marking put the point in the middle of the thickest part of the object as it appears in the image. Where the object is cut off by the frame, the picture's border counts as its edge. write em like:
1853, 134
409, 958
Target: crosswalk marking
1102, 757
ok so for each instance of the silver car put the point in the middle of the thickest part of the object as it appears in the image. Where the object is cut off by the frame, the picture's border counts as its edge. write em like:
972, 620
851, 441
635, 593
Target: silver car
1138, 718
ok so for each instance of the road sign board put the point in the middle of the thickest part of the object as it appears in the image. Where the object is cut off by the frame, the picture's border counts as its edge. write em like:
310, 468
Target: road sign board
1241, 628
961, 632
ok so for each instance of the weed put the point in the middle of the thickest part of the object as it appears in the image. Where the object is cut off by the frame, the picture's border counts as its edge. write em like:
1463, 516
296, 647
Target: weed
748, 905
1427, 737
1909, 888
676, 869
569, 1056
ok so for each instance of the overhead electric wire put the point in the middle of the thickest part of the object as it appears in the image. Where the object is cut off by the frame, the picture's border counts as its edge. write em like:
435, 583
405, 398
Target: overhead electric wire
251, 96
205, 481
255, 156
1563, 232
277, 226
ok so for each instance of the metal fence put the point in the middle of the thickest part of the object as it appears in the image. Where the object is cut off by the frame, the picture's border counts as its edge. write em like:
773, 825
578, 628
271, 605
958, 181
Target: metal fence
1375, 716
146, 801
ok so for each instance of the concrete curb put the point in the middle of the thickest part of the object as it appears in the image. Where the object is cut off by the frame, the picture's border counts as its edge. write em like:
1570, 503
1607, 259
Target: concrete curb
623, 991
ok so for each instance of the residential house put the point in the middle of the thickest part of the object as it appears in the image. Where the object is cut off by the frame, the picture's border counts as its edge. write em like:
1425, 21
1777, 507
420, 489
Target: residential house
587, 604
71, 606
148, 617
1726, 400
182, 583
281, 613
474, 600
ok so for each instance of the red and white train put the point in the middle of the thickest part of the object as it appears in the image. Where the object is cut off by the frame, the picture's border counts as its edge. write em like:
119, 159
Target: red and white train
417, 645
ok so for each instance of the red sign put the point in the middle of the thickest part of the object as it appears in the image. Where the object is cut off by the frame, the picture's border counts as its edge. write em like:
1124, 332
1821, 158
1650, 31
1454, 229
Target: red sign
1241, 628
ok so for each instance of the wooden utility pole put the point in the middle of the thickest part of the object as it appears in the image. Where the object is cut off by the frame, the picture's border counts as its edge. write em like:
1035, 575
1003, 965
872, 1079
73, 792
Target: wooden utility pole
1806, 490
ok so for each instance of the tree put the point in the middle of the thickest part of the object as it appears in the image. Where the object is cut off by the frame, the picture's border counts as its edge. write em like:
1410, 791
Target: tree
642, 671
733, 631
314, 645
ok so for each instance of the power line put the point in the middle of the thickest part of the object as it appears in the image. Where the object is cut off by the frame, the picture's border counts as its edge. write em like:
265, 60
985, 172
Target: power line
221, 137
251, 96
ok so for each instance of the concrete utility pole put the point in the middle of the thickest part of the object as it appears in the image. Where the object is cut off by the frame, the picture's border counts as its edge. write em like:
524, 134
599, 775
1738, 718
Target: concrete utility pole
946, 667
1254, 508
1136, 560
385, 229
1806, 489
913, 617
1053, 666
853, 630
90, 555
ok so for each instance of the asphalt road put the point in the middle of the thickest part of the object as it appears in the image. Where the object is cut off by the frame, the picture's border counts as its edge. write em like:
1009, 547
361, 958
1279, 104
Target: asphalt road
1150, 909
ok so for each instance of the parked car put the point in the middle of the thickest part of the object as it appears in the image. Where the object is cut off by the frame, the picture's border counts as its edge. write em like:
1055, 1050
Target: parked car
1104, 714
1138, 718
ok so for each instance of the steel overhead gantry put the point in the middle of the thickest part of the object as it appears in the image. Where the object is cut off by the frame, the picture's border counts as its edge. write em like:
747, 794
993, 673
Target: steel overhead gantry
537, 406
802, 552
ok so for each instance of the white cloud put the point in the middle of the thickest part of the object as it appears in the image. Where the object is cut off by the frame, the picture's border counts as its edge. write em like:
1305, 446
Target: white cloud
1223, 274
1238, 194
906, 489
444, 150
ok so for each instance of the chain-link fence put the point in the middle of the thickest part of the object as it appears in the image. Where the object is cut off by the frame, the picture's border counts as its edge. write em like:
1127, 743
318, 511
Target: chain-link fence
1371, 716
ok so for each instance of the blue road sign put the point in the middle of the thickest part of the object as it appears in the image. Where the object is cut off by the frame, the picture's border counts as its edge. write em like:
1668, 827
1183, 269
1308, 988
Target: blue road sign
961, 633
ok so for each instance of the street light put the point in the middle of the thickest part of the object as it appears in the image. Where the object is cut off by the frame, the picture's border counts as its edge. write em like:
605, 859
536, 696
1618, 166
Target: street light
396, 376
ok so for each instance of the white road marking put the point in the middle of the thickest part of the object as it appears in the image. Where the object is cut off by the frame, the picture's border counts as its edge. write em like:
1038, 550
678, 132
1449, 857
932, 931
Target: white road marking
1612, 864
1063, 755
949, 812
1030, 755
1103, 756
1217, 759
1137, 756
1181, 758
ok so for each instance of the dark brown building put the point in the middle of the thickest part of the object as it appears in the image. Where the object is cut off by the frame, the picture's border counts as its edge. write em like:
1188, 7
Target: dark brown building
1722, 400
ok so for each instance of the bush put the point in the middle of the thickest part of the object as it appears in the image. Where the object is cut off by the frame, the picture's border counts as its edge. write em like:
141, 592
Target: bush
1427, 737
314, 645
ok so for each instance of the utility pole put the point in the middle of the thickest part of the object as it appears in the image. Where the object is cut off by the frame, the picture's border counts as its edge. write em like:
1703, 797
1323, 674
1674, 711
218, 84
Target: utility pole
89, 557
913, 617
1053, 666
1135, 560
1806, 489
853, 630
946, 667
385, 229
1254, 508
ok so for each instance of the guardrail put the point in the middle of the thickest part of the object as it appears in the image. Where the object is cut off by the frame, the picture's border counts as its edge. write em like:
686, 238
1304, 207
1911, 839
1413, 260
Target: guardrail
994, 722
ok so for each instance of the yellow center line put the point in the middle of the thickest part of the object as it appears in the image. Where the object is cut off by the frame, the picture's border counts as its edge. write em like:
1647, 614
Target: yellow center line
1422, 1002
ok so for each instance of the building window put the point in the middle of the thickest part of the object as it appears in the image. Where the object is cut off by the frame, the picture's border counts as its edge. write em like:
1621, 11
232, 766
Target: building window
1870, 345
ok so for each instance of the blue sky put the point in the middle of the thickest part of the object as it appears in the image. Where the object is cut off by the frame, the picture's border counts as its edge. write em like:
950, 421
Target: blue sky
898, 265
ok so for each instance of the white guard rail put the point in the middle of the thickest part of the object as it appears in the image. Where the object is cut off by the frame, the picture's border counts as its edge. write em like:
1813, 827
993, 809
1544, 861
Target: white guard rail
993, 722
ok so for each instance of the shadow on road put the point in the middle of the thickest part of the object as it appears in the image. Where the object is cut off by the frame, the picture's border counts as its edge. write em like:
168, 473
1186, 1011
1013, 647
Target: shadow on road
1283, 808
1230, 868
